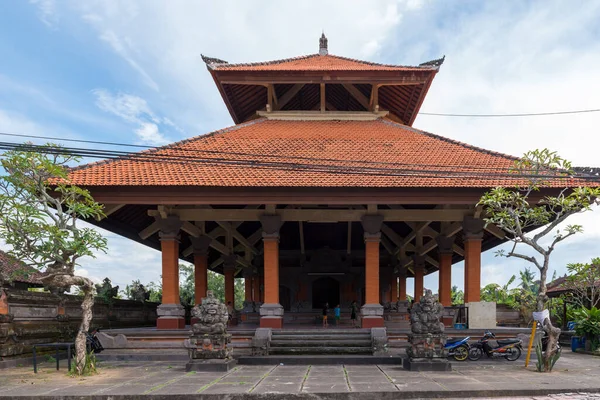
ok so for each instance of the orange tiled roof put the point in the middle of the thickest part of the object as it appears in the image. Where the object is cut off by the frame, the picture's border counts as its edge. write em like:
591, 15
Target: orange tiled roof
14, 270
276, 153
313, 62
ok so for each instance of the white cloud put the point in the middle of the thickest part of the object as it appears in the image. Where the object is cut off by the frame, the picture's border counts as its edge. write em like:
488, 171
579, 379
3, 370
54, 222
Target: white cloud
124, 48
135, 110
47, 12
148, 133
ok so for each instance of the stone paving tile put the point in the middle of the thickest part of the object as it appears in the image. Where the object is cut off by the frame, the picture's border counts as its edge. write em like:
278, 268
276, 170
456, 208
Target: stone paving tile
279, 387
179, 389
365, 387
219, 388
325, 388
127, 389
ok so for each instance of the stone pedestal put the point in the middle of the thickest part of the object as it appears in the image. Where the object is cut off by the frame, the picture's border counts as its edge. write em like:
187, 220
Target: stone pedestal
372, 316
427, 345
426, 364
210, 346
170, 316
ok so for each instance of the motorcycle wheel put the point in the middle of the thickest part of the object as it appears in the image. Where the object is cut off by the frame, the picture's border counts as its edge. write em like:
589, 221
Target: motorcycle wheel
513, 354
475, 353
461, 353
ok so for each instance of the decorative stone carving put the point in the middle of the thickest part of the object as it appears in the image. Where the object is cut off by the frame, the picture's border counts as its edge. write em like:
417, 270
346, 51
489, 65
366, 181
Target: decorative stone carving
427, 339
473, 227
169, 227
209, 339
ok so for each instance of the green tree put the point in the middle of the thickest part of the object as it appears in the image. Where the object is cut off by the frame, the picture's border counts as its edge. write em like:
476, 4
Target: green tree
499, 294
39, 215
584, 283
216, 283
457, 296
517, 212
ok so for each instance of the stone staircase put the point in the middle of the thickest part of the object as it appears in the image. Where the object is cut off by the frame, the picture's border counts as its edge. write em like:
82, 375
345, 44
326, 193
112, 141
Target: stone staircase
325, 341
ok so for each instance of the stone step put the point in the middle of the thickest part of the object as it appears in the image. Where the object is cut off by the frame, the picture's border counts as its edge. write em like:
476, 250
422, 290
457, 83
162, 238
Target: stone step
322, 337
321, 350
320, 343
325, 331
330, 359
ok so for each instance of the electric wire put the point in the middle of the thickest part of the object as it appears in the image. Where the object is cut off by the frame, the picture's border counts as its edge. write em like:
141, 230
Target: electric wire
327, 168
153, 150
540, 114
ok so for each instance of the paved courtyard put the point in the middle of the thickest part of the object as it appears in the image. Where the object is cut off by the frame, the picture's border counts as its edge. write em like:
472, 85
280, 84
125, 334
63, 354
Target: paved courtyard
574, 373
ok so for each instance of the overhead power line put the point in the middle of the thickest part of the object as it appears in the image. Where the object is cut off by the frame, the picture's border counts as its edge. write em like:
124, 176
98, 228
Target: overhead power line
154, 157
512, 115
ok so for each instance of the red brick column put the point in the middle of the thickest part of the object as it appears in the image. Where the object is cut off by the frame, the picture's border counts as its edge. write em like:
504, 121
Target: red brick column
419, 268
171, 311
200, 246
271, 312
372, 310
3, 302
445, 272
473, 233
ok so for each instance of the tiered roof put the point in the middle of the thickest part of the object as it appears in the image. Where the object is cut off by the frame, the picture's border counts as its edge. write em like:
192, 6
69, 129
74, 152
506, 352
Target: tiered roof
303, 153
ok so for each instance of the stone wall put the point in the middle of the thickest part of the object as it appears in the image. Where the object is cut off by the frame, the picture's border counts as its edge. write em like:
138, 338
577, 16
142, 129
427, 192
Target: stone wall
44, 317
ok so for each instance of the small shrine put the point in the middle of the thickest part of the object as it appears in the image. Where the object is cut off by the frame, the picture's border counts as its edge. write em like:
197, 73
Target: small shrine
208, 343
427, 340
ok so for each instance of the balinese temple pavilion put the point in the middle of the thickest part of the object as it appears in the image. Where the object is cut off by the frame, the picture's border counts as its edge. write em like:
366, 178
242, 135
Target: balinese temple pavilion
322, 191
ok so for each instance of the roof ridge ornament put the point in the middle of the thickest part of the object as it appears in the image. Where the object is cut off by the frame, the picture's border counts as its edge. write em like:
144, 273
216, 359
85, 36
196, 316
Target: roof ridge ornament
323, 45
433, 63
212, 60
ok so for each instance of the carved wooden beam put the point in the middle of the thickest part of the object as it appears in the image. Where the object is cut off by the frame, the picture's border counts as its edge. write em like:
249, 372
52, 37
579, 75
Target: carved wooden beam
228, 227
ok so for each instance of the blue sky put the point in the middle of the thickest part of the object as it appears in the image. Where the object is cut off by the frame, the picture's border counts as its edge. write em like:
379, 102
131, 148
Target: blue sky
130, 71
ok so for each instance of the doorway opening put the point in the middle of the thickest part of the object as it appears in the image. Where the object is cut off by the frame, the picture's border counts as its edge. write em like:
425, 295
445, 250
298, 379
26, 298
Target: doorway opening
325, 290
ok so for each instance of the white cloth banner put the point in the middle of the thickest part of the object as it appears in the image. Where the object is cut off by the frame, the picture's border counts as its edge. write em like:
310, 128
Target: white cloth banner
541, 316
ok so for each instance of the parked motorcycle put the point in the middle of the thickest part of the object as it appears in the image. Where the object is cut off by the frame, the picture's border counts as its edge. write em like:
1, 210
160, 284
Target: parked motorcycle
509, 349
458, 348
92, 342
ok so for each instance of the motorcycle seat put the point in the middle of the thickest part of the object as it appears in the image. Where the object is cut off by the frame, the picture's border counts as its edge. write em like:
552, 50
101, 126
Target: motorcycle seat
504, 342
451, 340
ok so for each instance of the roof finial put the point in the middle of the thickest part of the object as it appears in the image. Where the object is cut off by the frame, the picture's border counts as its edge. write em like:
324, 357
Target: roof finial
323, 45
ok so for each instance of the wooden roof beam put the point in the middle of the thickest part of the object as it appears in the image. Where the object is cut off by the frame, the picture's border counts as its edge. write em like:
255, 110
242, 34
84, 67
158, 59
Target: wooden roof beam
357, 94
405, 215
289, 95
112, 208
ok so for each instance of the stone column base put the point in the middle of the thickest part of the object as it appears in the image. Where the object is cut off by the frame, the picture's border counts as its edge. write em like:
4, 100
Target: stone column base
170, 316
271, 322
170, 323
271, 316
372, 316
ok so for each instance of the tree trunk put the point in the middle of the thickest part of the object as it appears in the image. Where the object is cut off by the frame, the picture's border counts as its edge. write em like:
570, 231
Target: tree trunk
89, 292
552, 331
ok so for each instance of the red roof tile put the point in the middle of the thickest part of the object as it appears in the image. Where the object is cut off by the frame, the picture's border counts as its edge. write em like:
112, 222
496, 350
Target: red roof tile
275, 153
14, 270
314, 62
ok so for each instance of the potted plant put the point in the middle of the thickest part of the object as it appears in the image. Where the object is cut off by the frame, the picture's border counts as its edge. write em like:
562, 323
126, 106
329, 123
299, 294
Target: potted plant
588, 326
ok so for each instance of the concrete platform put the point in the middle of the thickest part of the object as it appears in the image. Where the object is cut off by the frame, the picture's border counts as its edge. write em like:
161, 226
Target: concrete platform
574, 373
